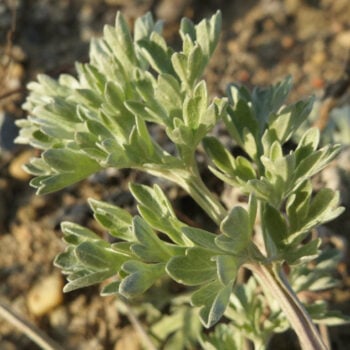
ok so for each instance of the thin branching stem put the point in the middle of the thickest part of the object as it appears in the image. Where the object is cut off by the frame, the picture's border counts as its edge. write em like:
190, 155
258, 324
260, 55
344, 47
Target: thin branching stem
275, 283
30, 330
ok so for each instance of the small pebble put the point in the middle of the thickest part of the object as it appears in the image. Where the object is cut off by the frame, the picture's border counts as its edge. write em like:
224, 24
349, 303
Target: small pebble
45, 295
287, 41
343, 39
16, 166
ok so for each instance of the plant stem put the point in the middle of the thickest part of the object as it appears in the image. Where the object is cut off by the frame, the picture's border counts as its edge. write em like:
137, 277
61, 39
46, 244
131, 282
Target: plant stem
144, 337
31, 331
192, 183
208, 202
275, 283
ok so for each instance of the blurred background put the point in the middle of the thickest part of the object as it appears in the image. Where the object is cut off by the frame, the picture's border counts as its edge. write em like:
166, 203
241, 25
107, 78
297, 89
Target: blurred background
262, 42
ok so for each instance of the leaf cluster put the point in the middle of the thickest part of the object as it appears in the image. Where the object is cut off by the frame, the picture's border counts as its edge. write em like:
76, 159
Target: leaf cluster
100, 118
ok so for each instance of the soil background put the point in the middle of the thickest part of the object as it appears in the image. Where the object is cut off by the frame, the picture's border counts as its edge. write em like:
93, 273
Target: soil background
262, 42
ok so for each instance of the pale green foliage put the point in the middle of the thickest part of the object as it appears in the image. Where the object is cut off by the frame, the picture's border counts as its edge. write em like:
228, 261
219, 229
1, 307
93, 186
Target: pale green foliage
337, 129
100, 119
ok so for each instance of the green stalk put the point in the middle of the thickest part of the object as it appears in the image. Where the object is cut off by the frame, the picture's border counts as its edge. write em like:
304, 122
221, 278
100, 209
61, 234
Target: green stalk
275, 283
205, 199
192, 183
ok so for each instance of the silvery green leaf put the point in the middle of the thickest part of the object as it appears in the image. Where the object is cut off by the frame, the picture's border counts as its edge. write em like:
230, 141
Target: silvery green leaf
85, 139
180, 134
268, 138
100, 55
242, 116
237, 226
329, 259
90, 77
280, 171
88, 144
157, 211
281, 127
250, 144
116, 155
194, 268
157, 53
115, 96
196, 64
195, 106
145, 84
302, 254
200, 237
51, 130
227, 245
62, 109
66, 260
187, 29
168, 93
221, 157
252, 209
187, 44
227, 268
221, 338
87, 97
323, 208
332, 318
268, 100
179, 63
68, 167
319, 275
96, 256
152, 197
207, 33
156, 114
223, 177
150, 248
275, 151
178, 330
140, 277
289, 119
118, 123
214, 112
299, 111
66, 160
213, 299
116, 220
145, 25
119, 40
124, 248
110, 289
298, 205
56, 119
274, 225
244, 170
308, 143
77, 234
144, 141
86, 280
37, 167
47, 86
262, 189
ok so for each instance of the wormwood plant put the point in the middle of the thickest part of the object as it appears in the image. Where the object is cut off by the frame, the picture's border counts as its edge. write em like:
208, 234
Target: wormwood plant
102, 119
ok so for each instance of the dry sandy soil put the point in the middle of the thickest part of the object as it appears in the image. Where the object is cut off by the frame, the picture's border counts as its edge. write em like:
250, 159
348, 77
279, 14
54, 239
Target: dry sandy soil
262, 42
